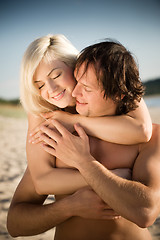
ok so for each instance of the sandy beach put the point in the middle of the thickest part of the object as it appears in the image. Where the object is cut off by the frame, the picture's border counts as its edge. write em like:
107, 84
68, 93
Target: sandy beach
13, 163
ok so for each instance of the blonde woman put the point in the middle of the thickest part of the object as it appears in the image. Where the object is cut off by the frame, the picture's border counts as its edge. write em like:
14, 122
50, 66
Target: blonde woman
47, 83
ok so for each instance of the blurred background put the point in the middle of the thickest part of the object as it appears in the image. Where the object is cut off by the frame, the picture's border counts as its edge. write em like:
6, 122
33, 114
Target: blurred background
136, 24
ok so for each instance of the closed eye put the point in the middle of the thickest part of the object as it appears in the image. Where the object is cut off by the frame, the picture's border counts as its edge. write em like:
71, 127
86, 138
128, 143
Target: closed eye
41, 86
57, 76
87, 90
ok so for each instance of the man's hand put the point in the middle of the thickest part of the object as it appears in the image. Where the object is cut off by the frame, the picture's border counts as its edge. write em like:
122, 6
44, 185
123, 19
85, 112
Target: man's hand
62, 144
87, 204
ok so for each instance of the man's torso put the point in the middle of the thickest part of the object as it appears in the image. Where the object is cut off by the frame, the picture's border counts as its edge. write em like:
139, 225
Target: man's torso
112, 156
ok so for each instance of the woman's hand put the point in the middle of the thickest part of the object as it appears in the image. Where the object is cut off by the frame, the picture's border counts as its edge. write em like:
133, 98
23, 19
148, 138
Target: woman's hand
65, 118
35, 134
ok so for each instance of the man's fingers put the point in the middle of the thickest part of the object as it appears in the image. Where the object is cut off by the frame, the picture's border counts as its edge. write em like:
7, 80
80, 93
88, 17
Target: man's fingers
49, 149
51, 133
61, 129
48, 140
80, 131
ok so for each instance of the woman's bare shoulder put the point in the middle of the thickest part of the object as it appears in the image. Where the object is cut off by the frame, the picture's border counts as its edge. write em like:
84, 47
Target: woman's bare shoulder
34, 120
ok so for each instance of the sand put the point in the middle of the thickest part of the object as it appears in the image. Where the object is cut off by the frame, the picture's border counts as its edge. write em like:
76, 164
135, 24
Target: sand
13, 163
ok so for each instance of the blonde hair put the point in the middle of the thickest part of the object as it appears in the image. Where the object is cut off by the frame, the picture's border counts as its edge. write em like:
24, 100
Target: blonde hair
48, 48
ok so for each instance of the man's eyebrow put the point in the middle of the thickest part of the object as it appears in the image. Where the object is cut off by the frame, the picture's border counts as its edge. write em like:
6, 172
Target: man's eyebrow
86, 85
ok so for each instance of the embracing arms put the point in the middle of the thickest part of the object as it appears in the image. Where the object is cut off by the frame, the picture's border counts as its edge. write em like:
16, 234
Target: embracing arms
126, 129
46, 177
28, 216
131, 128
139, 199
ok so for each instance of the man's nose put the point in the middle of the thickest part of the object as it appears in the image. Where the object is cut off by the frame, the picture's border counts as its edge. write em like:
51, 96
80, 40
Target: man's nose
76, 91
51, 86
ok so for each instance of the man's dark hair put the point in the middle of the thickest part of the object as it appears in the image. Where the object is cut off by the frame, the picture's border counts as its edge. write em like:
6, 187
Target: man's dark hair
117, 71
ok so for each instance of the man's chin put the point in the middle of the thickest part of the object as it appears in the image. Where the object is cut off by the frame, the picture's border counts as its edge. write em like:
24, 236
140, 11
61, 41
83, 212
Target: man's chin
80, 112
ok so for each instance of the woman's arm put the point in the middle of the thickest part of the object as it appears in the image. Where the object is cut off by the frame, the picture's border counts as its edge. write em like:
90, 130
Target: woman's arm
46, 178
132, 128
59, 181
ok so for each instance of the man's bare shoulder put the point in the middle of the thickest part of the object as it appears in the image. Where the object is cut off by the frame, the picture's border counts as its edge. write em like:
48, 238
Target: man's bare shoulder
155, 138
149, 160
155, 128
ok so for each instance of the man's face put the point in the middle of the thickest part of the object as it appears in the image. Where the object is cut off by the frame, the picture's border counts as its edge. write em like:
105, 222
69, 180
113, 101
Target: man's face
89, 95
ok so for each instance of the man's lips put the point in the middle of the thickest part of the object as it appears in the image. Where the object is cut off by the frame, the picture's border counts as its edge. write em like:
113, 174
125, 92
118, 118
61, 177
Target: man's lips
59, 95
80, 103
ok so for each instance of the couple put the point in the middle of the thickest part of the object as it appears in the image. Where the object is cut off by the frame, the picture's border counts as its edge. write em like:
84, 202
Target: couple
89, 176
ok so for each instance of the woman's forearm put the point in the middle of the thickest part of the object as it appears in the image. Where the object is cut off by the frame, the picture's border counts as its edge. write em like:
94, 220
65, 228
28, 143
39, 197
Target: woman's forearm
60, 181
131, 128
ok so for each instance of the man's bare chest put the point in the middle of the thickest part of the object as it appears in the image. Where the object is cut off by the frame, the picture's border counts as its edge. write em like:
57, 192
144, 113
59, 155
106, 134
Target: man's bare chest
113, 155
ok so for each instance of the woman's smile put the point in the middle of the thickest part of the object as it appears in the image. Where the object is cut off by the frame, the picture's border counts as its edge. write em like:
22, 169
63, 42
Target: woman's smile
59, 96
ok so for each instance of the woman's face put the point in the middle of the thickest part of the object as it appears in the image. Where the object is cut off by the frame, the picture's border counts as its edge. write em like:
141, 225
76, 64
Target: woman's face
55, 82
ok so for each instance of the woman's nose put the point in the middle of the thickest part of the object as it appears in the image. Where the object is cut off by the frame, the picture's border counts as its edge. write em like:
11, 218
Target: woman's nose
51, 86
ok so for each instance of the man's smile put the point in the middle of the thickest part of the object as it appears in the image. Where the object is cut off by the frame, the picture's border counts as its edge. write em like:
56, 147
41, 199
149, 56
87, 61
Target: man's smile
80, 103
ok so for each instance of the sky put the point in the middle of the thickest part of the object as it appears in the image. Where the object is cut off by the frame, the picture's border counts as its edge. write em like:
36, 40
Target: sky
136, 24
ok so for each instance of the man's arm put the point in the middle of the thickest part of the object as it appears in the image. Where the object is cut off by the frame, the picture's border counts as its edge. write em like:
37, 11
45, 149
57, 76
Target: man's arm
137, 200
28, 216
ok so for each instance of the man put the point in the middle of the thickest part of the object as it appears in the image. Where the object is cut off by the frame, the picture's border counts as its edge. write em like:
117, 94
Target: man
136, 201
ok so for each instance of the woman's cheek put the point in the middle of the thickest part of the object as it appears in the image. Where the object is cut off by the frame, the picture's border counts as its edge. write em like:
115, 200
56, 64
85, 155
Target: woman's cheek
43, 95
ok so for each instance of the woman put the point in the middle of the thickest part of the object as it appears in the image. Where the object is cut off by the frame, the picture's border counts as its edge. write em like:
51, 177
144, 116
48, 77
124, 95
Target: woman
47, 83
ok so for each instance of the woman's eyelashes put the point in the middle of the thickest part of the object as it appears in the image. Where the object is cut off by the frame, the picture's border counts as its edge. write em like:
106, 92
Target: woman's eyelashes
41, 86
58, 75
53, 78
